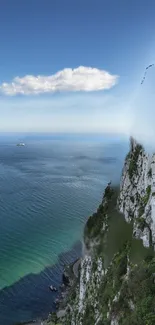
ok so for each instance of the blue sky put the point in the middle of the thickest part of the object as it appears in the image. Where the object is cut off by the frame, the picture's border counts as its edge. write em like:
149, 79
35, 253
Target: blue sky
41, 38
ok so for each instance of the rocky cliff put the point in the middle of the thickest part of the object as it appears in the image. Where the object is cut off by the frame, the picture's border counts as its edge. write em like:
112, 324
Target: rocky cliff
137, 193
116, 283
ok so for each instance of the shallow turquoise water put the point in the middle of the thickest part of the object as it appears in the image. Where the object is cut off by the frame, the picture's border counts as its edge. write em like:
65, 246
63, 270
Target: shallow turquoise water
47, 190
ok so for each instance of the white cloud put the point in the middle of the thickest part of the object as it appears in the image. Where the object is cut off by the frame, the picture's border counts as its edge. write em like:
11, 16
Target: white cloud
79, 79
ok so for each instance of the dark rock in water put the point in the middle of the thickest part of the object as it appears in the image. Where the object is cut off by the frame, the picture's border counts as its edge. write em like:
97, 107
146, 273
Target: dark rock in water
53, 288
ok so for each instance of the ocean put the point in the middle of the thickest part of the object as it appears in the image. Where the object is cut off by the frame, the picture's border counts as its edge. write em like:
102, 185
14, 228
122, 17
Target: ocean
48, 189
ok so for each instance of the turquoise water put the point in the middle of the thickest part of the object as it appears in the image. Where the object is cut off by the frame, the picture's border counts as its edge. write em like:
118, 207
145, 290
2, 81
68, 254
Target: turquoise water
47, 190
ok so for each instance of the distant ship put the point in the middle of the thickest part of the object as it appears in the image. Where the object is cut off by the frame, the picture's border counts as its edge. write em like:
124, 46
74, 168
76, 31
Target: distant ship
21, 144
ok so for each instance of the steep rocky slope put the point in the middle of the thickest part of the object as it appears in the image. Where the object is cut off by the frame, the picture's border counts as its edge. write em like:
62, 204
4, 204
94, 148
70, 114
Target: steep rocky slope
116, 284
137, 193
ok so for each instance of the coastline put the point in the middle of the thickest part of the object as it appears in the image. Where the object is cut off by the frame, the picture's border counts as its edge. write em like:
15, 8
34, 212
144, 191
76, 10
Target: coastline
69, 279
36, 301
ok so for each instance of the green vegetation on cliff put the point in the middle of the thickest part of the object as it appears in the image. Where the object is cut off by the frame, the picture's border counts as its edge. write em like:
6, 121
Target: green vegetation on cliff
133, 159
117, 277
96, 222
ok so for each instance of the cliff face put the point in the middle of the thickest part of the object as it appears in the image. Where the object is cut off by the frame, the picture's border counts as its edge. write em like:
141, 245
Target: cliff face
116, 284
137, 193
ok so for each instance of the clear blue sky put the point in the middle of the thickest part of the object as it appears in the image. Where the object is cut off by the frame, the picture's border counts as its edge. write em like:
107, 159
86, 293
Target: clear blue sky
44, 37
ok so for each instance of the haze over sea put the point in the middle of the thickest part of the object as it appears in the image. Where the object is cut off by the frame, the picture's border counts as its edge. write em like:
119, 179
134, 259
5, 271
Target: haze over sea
47, 190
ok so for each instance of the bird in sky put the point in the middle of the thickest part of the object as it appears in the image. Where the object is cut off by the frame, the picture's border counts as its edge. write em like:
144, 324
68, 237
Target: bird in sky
149, 66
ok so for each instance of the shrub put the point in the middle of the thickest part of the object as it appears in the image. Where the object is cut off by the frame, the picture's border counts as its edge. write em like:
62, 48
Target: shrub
134, 160
147, 195
150, 172
144, 200
141, 223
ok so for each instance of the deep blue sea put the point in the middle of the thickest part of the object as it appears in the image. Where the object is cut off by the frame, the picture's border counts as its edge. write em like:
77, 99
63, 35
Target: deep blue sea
47, 191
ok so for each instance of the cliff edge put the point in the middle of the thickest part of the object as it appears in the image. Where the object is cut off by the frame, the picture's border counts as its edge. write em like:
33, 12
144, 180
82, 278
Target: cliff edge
116, 280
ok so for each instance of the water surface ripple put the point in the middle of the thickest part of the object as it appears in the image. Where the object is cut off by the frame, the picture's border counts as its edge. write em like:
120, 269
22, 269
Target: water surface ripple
47, 190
